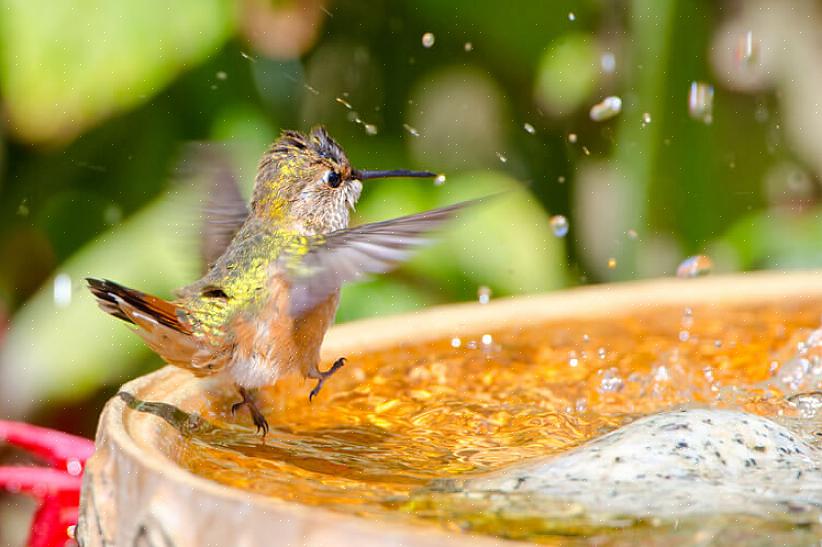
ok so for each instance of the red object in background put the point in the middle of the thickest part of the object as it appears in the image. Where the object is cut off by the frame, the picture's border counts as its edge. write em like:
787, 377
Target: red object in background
57, 488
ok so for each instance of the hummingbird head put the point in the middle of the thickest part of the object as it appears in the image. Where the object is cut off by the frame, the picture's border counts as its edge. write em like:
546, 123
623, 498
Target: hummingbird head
308, 182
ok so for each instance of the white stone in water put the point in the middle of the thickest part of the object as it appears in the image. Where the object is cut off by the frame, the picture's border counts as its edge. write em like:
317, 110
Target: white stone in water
607, 109
671, 465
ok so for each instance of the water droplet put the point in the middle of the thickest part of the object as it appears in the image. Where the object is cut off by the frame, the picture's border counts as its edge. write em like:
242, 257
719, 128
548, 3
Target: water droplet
572, 137
611, 382
370, 129
487, 339
601, 353
428, 39
559, 225
586, 151
701, 102
221, 75
74, 467
573, 360
484, 294
23, 209
684, 336
456, 342
439, 180
717, 343
411, 130
561, 179
607, 109
71, 532
502, 158
746, 49
695, 266
571, 16
646, 119
62, 290
632, 234
344, 103
468, 46
529, 128
612, 263
248, 57
607, 62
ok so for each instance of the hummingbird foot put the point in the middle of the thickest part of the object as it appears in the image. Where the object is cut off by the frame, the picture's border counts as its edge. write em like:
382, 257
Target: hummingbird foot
323, 376
256, 416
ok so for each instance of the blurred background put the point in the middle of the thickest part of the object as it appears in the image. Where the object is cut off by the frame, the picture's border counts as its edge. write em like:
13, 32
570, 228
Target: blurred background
637, 133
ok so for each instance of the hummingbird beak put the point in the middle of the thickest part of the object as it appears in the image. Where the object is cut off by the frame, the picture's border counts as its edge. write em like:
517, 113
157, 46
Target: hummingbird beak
377, 174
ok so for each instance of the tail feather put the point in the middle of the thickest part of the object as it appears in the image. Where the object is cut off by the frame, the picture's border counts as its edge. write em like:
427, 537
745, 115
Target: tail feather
123, 303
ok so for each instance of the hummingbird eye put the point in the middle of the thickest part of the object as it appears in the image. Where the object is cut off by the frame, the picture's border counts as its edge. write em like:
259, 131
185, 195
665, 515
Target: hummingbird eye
332, 178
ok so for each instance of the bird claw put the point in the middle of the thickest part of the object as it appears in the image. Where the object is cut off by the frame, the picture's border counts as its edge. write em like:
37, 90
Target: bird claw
256, 416
324, 376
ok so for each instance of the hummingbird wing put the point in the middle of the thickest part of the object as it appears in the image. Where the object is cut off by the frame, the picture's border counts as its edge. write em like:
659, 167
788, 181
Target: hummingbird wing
225, 209
318, 266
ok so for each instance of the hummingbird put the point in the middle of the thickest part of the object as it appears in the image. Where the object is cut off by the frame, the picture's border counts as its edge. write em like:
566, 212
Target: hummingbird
274, 270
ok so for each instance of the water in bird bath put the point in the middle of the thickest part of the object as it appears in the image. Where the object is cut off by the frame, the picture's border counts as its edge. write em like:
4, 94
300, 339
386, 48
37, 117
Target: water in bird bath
397, 433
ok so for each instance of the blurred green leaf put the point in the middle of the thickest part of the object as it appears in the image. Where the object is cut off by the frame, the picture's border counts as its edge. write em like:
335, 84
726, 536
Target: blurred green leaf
66, 65
567, 73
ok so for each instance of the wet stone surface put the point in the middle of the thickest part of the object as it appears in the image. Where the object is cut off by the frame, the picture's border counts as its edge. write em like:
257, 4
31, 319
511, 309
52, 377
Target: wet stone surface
694, 461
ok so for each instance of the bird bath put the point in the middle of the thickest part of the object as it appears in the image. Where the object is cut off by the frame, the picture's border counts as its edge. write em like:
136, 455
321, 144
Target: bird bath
450, 427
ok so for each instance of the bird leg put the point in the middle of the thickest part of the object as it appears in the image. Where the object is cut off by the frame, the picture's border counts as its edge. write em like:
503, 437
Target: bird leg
323, 376
256, 416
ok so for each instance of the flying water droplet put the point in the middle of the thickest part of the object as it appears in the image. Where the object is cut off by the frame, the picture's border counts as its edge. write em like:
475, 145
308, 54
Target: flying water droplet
502, 158
571, 16
701, 102
612, 263
428, 39
370, 129
607, 62
632, 234
646, 119
468, 46
221, 75
344, 103
529, 128
62, 290
487, 340
484, 294
411, 130
607, 109
559, 225
695, 266
456, 342
561, 179
439, 180
572, 137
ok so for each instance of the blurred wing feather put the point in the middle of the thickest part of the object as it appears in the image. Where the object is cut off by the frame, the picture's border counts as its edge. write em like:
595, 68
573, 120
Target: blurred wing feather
224, 213
320, 265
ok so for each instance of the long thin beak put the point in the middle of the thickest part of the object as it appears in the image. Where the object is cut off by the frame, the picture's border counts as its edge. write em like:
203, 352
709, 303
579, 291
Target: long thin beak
376, 174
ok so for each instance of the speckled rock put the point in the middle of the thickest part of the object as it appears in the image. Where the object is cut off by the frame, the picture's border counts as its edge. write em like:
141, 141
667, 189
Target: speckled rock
677, 464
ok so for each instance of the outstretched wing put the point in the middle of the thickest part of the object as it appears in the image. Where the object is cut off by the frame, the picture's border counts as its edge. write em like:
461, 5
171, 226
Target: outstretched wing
225, 209
319, 265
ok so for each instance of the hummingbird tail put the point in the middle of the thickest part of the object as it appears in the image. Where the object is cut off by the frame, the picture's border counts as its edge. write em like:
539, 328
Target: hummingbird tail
131, 305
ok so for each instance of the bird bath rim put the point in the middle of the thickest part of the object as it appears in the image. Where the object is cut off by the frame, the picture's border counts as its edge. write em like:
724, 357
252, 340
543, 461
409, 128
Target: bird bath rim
133, 489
